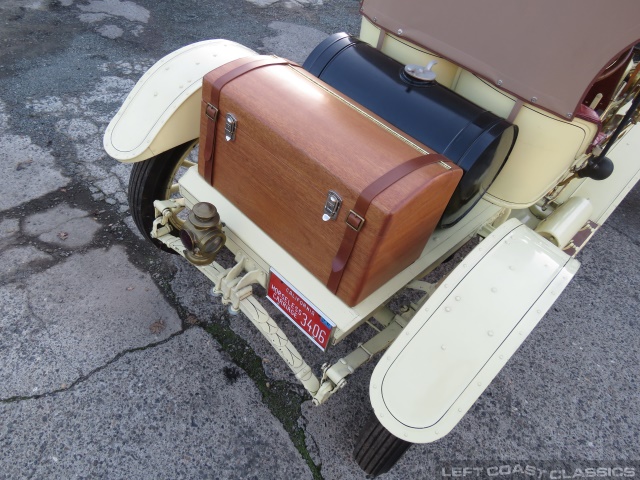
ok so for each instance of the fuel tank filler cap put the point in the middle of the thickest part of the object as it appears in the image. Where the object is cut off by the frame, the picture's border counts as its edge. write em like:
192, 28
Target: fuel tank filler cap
421, 73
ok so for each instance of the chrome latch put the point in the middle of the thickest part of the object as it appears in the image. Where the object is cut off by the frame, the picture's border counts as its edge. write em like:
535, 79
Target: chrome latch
230, 125
331, 206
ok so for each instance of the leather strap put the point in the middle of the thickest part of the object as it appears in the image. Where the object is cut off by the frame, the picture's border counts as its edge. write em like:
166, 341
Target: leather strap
212, 107
356, 218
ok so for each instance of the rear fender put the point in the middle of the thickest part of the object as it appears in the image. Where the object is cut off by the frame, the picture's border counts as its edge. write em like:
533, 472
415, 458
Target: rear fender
464, 334
163, 109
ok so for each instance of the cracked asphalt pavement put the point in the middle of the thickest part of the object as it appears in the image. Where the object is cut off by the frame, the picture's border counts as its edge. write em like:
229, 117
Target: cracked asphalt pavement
116, 363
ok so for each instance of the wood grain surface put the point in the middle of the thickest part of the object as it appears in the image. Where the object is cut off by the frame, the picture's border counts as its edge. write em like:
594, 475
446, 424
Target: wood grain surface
294, 142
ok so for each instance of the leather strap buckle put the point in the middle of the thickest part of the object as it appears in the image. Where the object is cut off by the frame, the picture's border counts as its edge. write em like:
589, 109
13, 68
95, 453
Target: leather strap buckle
211, 112
355, 223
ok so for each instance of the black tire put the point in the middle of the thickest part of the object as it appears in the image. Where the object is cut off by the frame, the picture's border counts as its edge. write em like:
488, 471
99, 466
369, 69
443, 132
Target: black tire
151, 180
377, 450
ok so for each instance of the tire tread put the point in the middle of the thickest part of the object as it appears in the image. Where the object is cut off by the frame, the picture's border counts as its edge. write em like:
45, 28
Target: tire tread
147, 183
377, 450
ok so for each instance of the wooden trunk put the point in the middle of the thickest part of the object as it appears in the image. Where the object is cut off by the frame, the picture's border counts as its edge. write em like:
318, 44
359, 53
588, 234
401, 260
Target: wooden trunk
297, 139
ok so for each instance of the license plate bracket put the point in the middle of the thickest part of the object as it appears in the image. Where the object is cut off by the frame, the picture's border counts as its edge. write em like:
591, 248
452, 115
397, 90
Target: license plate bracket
311, 321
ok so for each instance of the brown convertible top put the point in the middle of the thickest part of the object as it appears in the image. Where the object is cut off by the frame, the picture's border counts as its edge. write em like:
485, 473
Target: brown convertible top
550, 50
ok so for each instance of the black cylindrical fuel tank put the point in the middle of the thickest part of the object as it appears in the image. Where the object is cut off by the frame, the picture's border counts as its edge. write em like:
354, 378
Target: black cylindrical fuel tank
475, 139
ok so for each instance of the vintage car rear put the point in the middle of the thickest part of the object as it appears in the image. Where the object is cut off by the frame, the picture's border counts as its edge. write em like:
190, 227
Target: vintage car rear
342, 182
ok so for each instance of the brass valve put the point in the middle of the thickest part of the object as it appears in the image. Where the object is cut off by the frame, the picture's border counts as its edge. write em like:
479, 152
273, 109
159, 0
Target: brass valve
202, 234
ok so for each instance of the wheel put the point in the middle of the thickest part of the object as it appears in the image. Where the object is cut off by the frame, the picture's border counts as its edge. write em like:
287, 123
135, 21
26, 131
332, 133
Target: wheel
156, 179
377, 450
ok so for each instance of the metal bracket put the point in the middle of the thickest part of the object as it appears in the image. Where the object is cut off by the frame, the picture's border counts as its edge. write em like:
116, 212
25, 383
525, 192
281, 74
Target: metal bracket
334, 376
164, 210
423, 286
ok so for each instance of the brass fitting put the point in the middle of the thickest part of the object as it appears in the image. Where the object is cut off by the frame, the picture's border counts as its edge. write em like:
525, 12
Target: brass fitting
202, 234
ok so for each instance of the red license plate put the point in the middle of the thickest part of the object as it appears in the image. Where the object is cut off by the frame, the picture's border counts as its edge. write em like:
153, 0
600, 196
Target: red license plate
298, 309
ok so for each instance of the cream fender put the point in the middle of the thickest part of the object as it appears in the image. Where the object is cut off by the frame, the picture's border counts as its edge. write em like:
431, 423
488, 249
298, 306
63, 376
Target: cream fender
163, 109
467, 330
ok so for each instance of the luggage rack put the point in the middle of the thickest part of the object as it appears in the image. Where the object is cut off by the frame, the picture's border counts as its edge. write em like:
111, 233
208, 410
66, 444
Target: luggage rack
242, 234
234, 286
